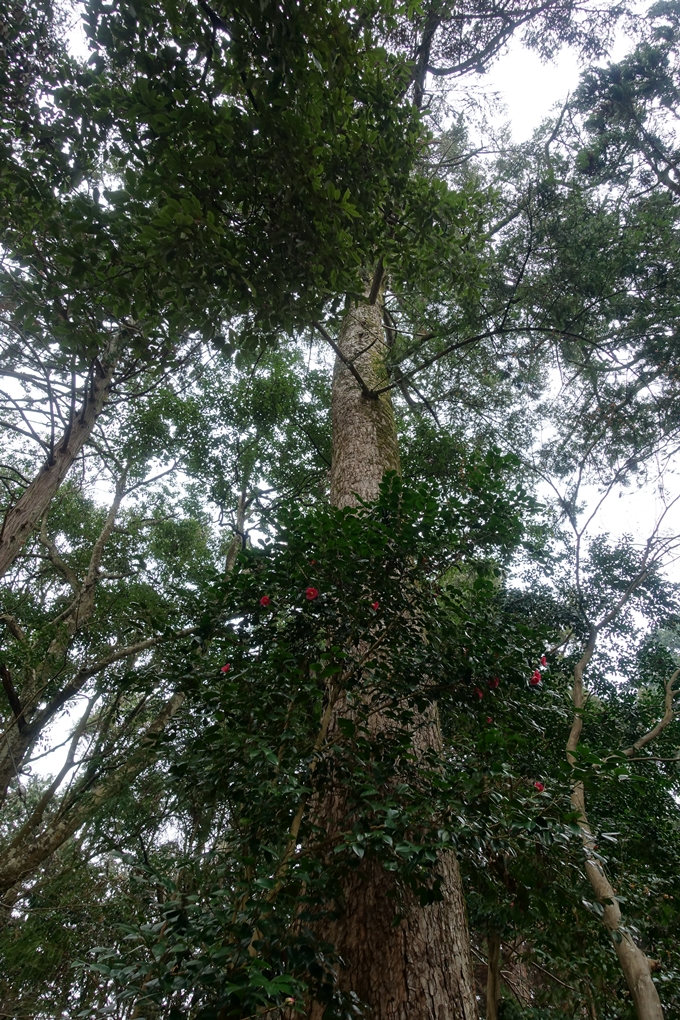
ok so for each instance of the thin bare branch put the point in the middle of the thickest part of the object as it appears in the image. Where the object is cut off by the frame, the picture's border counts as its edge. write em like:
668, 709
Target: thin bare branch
666, 719
368, 393
13, 627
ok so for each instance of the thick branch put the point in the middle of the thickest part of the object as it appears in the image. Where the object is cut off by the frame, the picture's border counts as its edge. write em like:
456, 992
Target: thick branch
13, 627
21, 519
237, 542
378, 277
634, 962
12, 696
665, 720
368, 393
85, 605
423, 56
57, 560
577, 696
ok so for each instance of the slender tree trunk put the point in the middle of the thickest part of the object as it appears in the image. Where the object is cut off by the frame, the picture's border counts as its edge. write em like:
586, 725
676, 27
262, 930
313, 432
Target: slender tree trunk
404, 961
238, 539
29, 719
493, 976
28, 850
634, 962
22, 519
590, 1004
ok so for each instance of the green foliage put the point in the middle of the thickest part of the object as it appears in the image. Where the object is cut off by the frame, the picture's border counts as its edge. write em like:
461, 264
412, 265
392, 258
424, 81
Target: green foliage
627, 106
248, 897
81, 902
205, 166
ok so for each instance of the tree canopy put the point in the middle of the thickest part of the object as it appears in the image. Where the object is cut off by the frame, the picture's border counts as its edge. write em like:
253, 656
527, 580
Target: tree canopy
232, 704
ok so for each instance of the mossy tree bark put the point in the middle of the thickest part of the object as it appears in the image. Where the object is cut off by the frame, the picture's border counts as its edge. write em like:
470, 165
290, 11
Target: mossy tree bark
404, 961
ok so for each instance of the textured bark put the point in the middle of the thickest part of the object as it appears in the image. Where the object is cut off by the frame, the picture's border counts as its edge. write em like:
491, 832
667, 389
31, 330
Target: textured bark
418, 968
22, 519
493, 976
365, 442
635, 964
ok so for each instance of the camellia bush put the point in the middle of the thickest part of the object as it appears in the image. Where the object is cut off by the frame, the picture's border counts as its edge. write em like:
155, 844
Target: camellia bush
401, 605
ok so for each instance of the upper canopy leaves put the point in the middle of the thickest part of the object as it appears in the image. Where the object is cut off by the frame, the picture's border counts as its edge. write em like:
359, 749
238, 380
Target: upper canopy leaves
209, 164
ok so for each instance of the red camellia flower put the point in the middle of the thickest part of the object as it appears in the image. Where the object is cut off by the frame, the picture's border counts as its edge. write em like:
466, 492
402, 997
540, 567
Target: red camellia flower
535, 678
539, 786
489, 719
226, 667
493, 684
479, 692
375, 605
311, 593
544, 661
265, 600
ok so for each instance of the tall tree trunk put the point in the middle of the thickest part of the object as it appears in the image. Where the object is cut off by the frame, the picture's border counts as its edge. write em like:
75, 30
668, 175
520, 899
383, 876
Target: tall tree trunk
417, 965
365, 443
493, 976
22, 519
635, 964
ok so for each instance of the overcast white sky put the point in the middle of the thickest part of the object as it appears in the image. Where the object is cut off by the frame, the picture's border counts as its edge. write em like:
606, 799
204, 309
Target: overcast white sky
530, 88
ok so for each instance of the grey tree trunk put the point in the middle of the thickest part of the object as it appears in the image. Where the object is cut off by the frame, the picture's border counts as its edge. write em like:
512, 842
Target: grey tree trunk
22, 519
365, 442
420, 967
